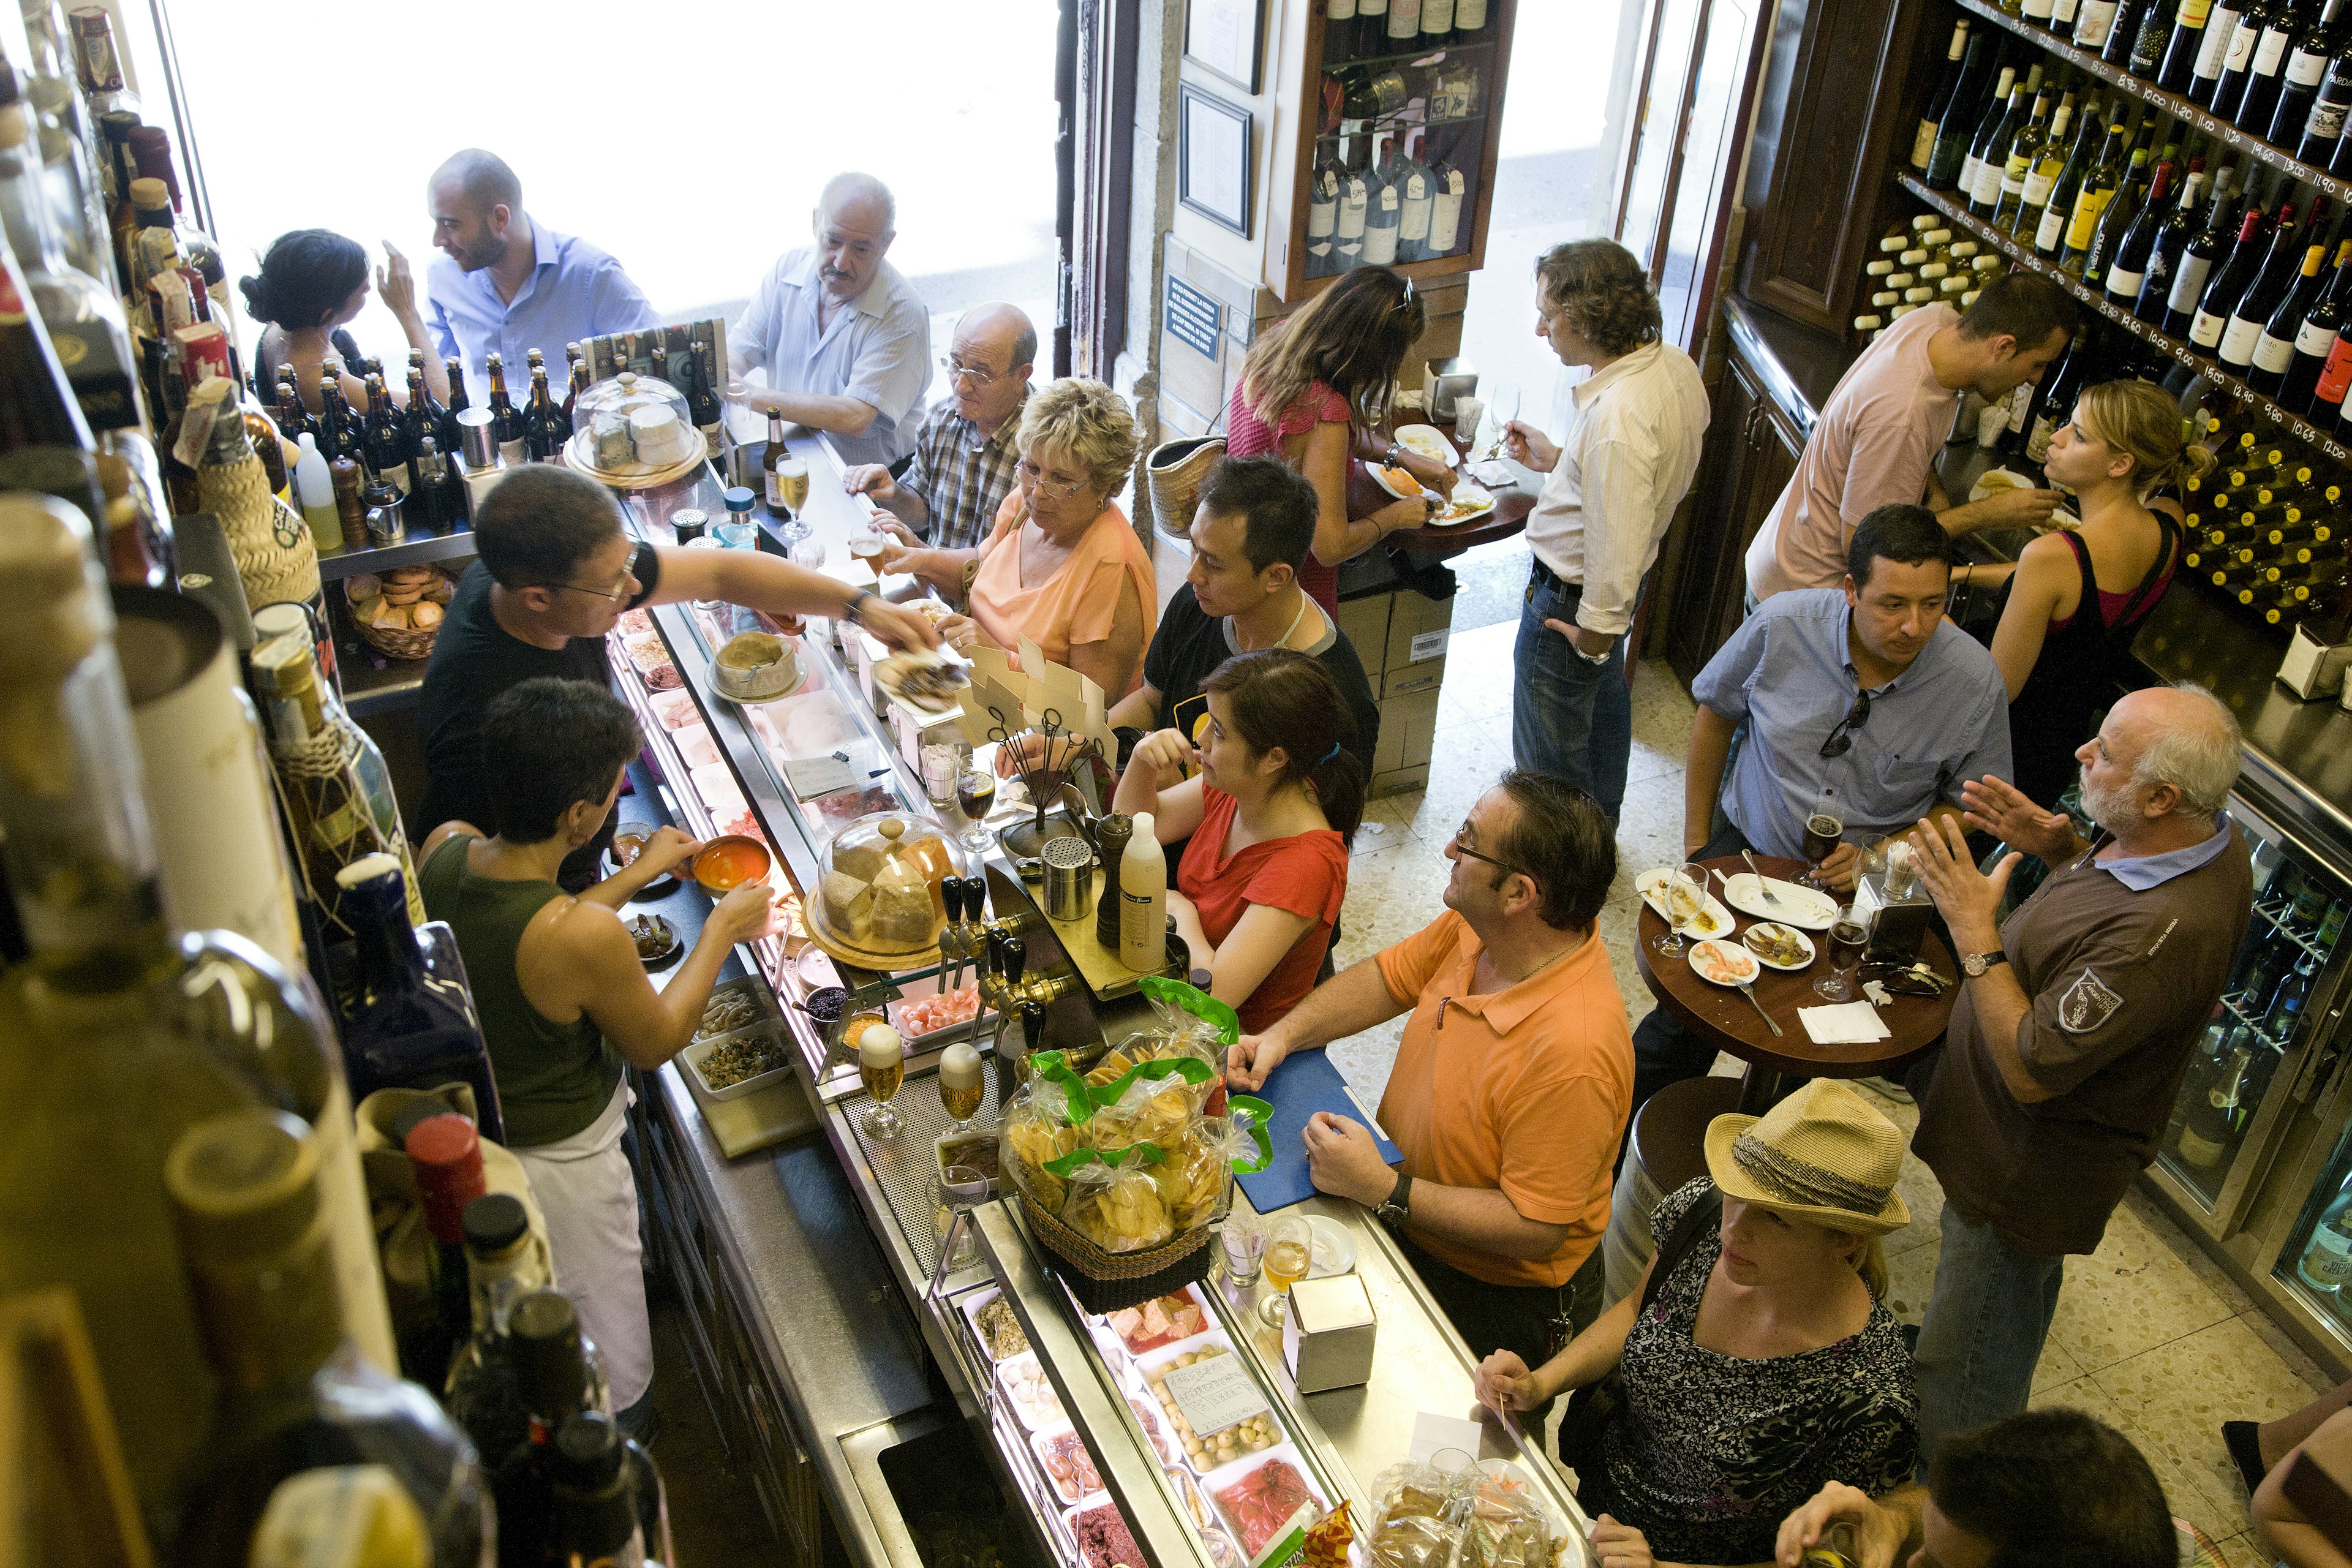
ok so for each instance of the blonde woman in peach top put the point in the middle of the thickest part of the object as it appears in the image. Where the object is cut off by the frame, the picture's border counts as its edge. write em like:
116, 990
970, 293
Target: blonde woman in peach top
1062, 567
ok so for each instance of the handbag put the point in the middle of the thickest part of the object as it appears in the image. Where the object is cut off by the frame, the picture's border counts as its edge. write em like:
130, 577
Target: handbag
1172, 476
1593, 1406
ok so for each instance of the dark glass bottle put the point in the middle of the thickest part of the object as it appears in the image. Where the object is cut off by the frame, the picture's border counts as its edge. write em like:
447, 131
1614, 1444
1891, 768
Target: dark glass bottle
2185, 47
2100, 183
2125, 269
343, 429
2115, 220
2229, 284
2315, 382
2307, 59
704, 407
1982, 131
2174, 230
410, 1022
554, 1379
293, 419
2210, 246
2256, 53
504, 1263
2269, 284
1958, 124
2055, 399
543, 431
2149, 48
37, 408
445, 1154
2274, 351
1992, 158
386, 441
450, 432
2323, 128
2123, 33
424, 415
1931, 118
2049, 236
505, 420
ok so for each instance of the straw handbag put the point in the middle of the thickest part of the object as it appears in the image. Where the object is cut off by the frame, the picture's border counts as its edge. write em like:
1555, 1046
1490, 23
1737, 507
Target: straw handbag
1173, 473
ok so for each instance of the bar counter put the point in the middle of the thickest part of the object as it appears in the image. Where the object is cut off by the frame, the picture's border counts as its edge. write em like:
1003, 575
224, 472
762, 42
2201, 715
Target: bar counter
824, 1344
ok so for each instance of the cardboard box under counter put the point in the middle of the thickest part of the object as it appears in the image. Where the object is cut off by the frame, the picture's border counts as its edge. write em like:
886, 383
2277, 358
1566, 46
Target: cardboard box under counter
1329, 1335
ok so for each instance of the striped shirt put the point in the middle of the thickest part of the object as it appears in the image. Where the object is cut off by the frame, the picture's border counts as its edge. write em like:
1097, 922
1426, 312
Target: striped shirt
1625, 462
961, 475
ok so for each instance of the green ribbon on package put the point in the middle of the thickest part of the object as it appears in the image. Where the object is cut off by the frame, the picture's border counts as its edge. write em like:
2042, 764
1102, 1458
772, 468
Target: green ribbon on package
1179, 997
1247, 1113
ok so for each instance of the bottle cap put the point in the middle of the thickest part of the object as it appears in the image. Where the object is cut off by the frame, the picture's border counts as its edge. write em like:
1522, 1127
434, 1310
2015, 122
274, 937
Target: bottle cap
590, 1445
244, 1186
550, 1370
494, 1222
447, 1153
739, 497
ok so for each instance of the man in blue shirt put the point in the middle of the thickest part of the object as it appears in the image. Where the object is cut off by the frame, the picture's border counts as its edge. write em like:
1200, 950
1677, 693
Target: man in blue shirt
507, 285
1863, 693
845, 340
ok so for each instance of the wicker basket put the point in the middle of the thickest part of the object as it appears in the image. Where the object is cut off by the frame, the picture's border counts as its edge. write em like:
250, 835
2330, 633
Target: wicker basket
399, 642
1173, 473
1106, 1281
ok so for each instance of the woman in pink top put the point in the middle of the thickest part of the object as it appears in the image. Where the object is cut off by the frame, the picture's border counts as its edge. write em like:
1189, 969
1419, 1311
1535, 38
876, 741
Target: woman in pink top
1062, 567
1315, 393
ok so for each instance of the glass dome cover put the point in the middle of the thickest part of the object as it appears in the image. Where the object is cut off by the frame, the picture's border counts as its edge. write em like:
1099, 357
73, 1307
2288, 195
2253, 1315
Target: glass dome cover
633, 429
880, 883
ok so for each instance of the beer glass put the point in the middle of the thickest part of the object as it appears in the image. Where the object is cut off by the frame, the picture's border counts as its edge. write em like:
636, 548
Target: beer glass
882, 1067
1290, 1247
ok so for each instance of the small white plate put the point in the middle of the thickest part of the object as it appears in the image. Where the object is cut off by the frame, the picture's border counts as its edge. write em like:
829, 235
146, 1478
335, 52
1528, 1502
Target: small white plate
1428, 441
1333, 1250
1802, 940
1803, 908
1474, 500
1380, 477
1743, 965
1650, 885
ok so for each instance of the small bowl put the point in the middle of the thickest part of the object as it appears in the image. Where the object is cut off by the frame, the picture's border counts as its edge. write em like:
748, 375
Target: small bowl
825, 1002
710, 863
628, 843
654, 926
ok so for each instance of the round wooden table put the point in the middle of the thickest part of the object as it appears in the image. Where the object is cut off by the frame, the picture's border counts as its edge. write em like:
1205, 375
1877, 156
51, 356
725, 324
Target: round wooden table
1509, 517
1719, 1015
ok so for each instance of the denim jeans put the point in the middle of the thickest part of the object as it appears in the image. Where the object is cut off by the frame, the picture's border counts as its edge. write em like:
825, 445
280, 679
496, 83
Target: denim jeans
1986, 1319
1665, 1049
1570, 717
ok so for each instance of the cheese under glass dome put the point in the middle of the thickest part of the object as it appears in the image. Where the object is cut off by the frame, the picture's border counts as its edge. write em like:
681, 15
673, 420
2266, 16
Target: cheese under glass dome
879, 891
633, 430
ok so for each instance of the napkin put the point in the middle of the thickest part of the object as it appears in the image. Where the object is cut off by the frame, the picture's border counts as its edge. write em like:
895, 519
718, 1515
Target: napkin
1847, 1023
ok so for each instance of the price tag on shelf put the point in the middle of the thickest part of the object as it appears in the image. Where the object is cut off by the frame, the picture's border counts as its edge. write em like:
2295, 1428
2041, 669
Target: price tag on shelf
1215, 1394
812, 776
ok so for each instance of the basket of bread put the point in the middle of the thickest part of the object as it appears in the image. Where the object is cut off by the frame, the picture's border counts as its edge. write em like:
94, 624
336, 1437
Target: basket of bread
1122, 1170
399, 612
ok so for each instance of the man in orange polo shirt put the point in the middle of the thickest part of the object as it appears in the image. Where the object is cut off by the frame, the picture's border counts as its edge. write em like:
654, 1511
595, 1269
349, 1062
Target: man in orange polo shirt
1514, 1079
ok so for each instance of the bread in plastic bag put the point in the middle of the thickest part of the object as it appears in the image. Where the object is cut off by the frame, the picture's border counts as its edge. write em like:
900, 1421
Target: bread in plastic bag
1118, 1206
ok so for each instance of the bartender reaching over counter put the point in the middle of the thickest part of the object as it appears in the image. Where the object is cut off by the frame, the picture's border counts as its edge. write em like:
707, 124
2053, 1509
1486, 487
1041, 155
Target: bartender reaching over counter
1269, 815
565, 1003
557, 571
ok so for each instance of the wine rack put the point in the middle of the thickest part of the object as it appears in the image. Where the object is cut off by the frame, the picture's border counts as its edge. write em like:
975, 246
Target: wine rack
2228, 385
2332, 185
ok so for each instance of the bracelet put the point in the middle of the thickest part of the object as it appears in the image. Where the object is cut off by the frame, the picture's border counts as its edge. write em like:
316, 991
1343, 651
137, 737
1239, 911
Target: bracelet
1393, 457
849, 611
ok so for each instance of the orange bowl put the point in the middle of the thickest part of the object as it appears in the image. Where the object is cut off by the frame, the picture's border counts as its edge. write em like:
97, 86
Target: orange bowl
728, 861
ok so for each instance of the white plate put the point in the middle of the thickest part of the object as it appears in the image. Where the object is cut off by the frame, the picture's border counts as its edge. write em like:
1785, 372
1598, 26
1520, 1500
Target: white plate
1737, 958
1803, 908
1428, 441
1474, 499
1718, 919
1333, 1250
1381, 478
1802, 940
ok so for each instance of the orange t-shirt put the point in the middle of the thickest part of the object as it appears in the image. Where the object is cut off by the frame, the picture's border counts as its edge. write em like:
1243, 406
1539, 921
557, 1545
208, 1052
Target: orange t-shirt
1305, 874
1077, 603
1526, 1089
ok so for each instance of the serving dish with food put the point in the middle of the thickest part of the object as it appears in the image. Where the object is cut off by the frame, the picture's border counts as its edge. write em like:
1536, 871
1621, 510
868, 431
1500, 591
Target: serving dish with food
741, 1063
1720, 963
1469, 501
1652, 886
1778, 946
629, 841
1789, 903
1428, 441
729, 860
657, 940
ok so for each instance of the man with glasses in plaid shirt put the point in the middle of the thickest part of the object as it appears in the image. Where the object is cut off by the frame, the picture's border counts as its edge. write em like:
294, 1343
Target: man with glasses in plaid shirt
968, 448
1865, 691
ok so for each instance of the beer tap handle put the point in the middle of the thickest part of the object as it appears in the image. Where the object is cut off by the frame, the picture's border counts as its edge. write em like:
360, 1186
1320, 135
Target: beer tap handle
1015, 955
995, 945
1032, 1028
952, 937
975, 898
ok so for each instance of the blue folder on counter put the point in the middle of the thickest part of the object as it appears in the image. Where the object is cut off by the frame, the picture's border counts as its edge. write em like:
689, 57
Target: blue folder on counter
1304, 1084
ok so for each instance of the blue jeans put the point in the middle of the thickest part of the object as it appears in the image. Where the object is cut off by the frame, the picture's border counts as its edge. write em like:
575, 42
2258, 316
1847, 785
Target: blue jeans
1570, 718
1985, 1323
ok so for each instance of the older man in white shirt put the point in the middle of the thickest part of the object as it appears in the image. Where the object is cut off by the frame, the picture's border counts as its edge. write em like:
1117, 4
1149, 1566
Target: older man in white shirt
1623, 466
845, 341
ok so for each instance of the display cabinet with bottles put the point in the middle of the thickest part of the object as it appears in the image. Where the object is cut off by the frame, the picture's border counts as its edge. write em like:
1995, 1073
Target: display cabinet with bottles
1393, 163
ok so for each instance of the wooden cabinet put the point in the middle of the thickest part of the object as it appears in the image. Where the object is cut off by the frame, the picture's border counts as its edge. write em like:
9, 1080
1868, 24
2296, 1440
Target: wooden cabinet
1751, 450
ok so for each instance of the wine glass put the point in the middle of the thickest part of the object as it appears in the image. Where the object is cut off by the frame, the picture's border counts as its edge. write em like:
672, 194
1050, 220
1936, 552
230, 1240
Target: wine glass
1684, 897
975, 793
882, 1067
1289, 1245
1503, 403
1848, 937
1825, 827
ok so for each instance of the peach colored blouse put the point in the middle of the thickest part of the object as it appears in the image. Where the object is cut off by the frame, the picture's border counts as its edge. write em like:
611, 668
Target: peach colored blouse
1077, 603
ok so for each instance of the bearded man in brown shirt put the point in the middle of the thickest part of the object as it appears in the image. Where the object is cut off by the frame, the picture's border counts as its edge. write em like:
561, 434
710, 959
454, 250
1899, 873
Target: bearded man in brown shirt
2074, 1028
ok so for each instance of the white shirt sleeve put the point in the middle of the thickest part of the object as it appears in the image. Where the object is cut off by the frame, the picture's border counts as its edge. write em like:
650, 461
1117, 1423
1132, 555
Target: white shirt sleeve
1622, 518
753, 333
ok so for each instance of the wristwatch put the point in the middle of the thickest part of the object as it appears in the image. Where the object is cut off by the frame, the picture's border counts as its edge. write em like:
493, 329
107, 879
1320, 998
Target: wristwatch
1398, 1207
1974, 964
849, 611
1602, 657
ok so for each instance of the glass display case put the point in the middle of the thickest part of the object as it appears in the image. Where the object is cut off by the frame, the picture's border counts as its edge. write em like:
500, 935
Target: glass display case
2267, 1046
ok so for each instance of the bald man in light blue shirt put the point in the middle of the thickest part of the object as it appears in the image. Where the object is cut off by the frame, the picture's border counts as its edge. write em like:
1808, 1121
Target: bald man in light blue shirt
505, 285
844, 338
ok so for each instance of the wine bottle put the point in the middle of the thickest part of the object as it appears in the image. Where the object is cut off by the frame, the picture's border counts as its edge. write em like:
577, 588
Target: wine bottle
387, 440
1404, 26
1982, 132
543, 433
275, 557
505, 1263
2211, 65
1923, 141
2174, 231
2228, 285
296, 1392
1445, 207
1384, 216
2059, 390
84, 320
98, 64
2215, 1122
1372, 28
444, 1156
2024, 152
2041, 179
595, 1506
507, 424
556, 1385
117, 1039
2274, 352
2050, 233
2270, 283
1355, 201
2100, 183
2308, 60
2115, 220
2184, 47
2255, 19
1957, 123
2156, 27
1338, 32
424, 415
2210, 246
2326, 1265
702, 403
1470, 23
410, 1022
2322, 130
2093, 20
2324, 334
1323, 214
451, 433
2123, 33
1436, 23
1984, 197
2125, 277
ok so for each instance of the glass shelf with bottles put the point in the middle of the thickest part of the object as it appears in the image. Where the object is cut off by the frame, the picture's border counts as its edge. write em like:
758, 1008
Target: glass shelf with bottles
1373, 200
2316, 1260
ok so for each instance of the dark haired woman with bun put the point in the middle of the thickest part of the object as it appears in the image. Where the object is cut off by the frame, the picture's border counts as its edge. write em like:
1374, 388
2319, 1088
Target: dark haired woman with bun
1273, 803
312, 283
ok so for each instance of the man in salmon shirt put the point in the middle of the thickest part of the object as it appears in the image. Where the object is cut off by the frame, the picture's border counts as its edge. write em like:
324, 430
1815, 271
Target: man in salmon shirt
1513, 1081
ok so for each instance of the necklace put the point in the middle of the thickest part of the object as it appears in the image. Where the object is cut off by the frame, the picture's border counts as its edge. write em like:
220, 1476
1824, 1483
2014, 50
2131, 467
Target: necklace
1285, 637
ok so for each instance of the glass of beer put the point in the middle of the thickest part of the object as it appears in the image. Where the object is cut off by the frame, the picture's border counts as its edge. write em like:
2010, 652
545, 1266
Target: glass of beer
791, 484
1685, 896
882, 1066
1837, 1548
963, 1088
1825, 827
1848, 937
975, 793
866, 547
1290, 1247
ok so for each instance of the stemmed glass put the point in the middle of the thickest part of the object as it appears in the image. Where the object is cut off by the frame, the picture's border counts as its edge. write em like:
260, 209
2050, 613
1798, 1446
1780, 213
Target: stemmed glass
975, 793
1289, 1245
1684, 897
882, 1066
1849, 937
1503, 405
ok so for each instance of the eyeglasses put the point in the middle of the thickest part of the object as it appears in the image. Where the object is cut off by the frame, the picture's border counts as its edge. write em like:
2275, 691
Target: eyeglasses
1840, 738
958, 371
1034, 480
622, 586
1461, 848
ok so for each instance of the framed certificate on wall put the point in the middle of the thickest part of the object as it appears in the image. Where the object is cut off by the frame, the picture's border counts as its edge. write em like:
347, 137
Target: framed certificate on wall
1212, 158
1224, 36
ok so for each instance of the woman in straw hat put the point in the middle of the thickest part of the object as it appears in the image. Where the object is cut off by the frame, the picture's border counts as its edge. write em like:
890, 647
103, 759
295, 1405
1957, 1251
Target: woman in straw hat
1763, 1364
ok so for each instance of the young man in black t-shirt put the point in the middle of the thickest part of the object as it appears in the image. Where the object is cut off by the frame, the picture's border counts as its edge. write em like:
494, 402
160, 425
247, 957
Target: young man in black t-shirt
557, 569
1250, 536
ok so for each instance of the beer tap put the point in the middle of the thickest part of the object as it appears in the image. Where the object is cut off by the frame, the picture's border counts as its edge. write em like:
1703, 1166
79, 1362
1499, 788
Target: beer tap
1007, 954
975, 910
953, 936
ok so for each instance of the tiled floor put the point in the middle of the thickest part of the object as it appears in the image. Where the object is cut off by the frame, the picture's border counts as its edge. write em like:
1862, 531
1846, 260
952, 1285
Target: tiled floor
2150, 1335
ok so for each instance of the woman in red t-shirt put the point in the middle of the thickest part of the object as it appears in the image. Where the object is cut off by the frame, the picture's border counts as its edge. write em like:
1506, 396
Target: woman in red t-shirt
1270, 813
1315, 393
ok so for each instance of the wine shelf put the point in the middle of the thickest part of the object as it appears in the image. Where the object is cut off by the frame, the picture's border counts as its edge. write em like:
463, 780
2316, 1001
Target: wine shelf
2189, 114
2237, 390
